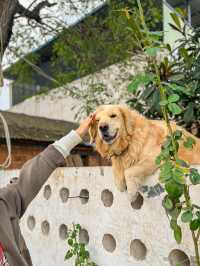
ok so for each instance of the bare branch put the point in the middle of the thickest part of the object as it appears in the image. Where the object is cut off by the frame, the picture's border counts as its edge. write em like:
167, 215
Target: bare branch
35, 13
32, 4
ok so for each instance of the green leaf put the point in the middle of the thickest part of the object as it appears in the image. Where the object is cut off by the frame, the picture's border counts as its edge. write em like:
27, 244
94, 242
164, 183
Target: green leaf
189, 143
68, 255
157, 33
76, 246
87, 254
174, 27
78, 227
194, 176
195, 224
184, 53
177, 134
182, 163
178, 234
152, 51
173, 189
178, 176
173, 98
73, 235
198, 214
174, 213
139, 80
168, 47
174, 108
158, 159
166, 171
173, 224
168, 142
176, 20
167, 203
178, 88
187, 216
189, 113
70, 242
163, 103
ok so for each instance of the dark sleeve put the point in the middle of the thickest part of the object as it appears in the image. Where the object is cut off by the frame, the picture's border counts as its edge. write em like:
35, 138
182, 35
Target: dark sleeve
33, 175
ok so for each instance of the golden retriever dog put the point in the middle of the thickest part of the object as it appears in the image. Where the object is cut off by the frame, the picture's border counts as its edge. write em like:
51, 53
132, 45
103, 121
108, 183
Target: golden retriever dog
133, 143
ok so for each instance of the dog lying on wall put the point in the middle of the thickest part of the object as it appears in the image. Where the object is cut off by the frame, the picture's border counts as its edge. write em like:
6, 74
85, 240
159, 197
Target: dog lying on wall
133, 143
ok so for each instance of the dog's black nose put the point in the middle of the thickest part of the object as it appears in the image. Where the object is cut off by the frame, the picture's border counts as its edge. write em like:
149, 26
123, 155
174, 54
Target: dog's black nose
103, 128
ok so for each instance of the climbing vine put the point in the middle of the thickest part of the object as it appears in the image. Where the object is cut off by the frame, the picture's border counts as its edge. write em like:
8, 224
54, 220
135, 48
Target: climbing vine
176, 175
77, 249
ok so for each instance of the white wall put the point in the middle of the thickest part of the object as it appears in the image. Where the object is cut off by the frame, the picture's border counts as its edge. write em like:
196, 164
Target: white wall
6, 95
171, 36
119, 220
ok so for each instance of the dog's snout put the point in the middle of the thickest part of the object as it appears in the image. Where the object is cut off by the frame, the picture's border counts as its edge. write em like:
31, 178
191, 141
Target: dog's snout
103, 127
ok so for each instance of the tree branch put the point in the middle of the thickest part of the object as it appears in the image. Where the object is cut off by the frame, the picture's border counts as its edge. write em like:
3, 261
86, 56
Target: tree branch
7, 12
35, 13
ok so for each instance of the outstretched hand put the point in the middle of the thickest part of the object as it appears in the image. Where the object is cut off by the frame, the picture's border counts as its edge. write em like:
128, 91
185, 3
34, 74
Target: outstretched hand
82, 130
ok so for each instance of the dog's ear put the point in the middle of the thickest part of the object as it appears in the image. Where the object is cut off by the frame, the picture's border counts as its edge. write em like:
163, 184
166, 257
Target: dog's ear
128, 117
93, 132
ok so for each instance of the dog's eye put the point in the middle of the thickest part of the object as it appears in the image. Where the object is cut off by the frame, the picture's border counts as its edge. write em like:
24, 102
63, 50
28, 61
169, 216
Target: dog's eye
112, 116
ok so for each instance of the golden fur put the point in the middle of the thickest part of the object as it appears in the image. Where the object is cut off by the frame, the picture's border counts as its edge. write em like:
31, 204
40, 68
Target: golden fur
137, 144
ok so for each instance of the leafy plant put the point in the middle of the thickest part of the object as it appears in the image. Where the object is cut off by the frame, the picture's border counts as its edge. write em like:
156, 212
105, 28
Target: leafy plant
77, 249
100, 40
176, 175
182, 74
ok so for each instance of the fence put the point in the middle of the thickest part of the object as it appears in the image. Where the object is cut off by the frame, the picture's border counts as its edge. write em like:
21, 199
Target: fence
116, 232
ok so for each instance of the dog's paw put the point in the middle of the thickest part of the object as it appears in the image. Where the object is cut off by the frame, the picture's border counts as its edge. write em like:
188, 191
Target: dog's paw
132, 189
121, 186
133, 197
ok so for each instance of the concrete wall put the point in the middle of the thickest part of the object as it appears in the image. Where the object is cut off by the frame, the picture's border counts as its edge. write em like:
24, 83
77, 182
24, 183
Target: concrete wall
59, 105
120, 234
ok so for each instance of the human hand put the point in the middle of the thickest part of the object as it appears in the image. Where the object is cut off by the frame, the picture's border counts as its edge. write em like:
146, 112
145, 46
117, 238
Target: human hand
82, 130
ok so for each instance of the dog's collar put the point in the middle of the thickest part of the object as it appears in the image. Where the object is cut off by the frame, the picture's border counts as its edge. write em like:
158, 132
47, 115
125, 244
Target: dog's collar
118, 154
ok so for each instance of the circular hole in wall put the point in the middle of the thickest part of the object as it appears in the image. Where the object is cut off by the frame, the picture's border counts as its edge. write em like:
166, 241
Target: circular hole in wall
138, 249
177, 257
137, 204
47, 192
64, 194
84, 236
63, 231
109, 243
107, 198
45, 227
31, 222
84, 196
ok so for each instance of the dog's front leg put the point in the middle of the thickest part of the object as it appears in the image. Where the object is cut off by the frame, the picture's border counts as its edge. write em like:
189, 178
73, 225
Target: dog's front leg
120, 182
135, 175
118, 172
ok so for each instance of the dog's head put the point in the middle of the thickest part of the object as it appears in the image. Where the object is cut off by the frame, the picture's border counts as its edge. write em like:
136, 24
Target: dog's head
112, 125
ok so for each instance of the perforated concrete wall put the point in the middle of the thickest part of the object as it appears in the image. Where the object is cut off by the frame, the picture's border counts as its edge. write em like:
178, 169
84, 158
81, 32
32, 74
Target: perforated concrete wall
117, 233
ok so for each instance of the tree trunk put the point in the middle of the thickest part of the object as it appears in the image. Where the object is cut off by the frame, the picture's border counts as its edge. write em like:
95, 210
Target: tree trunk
7, 12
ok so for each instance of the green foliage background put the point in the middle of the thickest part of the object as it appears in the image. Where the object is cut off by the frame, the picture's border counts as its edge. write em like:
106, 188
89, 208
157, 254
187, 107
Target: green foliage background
96, 42
100, 40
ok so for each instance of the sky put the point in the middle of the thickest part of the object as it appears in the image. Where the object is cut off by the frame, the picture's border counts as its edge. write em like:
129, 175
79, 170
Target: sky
25, 3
